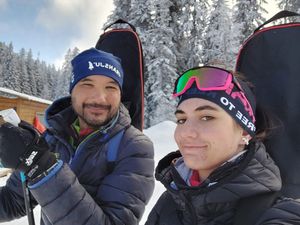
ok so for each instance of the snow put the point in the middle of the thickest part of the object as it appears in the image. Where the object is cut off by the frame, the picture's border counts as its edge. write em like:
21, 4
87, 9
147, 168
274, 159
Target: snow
162, 137
25, 96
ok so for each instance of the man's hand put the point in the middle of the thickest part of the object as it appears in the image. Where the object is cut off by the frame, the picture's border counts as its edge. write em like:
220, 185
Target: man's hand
23, 148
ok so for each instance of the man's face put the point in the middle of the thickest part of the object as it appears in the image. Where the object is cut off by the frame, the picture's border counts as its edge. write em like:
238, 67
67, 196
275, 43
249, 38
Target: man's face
96, 100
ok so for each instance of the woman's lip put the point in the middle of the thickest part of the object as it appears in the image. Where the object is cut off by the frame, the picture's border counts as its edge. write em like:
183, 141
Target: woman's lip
193, 146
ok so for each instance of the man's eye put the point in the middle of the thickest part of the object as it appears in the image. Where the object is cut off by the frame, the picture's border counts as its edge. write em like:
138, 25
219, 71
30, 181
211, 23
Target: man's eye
206, 118
112, 87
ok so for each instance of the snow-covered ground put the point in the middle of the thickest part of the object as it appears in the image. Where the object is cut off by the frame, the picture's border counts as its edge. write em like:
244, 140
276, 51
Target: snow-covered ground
162, 137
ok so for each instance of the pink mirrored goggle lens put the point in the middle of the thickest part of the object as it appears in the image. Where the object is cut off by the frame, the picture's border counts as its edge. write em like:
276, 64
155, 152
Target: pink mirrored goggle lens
206, 78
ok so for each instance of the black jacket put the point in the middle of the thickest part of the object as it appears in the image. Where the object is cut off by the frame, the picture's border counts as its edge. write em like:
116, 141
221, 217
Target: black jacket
215, 201
82, 190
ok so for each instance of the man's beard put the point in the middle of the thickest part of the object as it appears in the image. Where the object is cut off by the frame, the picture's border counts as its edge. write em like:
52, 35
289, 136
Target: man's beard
94, 123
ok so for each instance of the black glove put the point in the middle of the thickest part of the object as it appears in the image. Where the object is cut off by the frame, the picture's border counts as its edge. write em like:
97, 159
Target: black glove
22, 148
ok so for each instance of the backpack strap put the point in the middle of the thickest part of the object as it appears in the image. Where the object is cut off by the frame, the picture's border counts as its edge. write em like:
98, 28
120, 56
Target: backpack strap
250, 209
280, 15
120, 21
112, 149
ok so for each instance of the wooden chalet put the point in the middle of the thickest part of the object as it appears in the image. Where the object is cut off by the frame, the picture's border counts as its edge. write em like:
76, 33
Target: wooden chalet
27, 107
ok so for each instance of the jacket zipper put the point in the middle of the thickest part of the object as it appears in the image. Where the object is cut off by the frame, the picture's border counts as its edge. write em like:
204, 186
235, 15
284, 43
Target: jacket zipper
79, 147
190, 208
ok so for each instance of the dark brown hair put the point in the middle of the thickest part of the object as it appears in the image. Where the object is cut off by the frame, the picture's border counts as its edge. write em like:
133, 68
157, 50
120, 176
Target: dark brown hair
266, 122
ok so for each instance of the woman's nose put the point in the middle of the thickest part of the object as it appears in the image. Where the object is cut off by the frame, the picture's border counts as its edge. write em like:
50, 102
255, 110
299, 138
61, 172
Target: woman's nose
189, 130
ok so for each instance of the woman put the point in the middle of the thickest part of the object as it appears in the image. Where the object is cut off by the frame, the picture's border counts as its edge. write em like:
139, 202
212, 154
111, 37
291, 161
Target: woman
221, 157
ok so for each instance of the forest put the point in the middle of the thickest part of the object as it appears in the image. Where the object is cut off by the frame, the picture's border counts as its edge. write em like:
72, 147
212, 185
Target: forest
176, 35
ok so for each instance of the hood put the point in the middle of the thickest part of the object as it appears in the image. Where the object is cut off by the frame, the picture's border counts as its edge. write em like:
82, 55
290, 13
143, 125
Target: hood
253, 173
60, 113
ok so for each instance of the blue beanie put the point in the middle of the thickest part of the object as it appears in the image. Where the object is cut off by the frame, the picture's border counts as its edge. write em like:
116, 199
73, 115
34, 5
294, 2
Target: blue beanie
96, 62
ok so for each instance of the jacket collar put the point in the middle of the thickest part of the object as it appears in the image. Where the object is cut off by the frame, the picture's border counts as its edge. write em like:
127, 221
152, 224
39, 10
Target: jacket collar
250, 173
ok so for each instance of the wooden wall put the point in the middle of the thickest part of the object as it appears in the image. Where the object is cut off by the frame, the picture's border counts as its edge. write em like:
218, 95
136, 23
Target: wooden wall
25, 108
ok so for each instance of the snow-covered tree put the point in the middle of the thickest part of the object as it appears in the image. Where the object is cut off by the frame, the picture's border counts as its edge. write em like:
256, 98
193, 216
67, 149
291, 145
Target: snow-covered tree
31, 72
152, 20
179, 34
189, 18
63, 80
3, 52
50, 77
161, 65
221, 41
291, 5
12, 74
37, 72
249, 15
22, 73
121, 11
26, 83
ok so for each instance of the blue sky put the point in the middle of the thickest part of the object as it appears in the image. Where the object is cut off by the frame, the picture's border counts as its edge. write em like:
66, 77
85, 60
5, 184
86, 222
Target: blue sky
50, 27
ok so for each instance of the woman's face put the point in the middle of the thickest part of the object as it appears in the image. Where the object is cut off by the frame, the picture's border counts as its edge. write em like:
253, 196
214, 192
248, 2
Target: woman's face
206, 135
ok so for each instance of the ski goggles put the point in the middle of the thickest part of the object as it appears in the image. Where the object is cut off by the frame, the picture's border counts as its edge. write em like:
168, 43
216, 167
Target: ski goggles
207, 78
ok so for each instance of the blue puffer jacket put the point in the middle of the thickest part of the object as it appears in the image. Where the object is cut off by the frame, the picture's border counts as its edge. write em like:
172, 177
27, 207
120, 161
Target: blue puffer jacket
82, 189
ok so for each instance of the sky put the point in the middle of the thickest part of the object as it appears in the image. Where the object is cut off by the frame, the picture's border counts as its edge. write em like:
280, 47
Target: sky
163, 140
50, 27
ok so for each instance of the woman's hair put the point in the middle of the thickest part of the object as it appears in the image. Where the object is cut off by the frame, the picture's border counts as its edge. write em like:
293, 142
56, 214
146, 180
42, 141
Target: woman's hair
266, 122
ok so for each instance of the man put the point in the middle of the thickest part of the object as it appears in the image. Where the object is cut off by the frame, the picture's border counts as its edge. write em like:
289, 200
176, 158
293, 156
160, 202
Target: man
73, 182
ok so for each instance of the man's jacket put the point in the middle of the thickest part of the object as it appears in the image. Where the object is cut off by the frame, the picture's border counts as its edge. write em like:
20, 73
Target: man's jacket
83, 188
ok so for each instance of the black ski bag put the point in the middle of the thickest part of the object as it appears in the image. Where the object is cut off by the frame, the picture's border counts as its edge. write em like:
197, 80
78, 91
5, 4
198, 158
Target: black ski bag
270, 59
125, 44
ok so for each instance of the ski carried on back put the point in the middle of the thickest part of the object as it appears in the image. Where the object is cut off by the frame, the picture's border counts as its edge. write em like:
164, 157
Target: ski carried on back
125, 44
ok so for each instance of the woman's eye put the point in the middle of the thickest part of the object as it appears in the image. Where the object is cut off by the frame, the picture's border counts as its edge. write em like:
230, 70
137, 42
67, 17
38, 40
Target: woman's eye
180, 121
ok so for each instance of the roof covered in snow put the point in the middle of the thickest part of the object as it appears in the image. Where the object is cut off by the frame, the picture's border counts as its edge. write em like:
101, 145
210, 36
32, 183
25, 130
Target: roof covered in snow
11, 93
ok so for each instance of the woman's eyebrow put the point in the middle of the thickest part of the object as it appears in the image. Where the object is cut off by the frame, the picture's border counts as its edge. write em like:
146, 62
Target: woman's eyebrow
200, 108
179, 111
206, 107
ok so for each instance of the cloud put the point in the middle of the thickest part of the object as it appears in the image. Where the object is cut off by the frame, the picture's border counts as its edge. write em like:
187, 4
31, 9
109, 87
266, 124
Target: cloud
3, 4
81, 20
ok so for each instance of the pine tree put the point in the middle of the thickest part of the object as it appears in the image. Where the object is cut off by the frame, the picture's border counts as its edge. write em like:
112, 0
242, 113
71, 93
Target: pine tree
121, 11
31, 72
152, 20
248, 14
290, 5
50, 77
12, 72
220, 43
161, 70
40, 77
63, 80
25, 88
3, 52
189, 22
20, 72
177, 35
